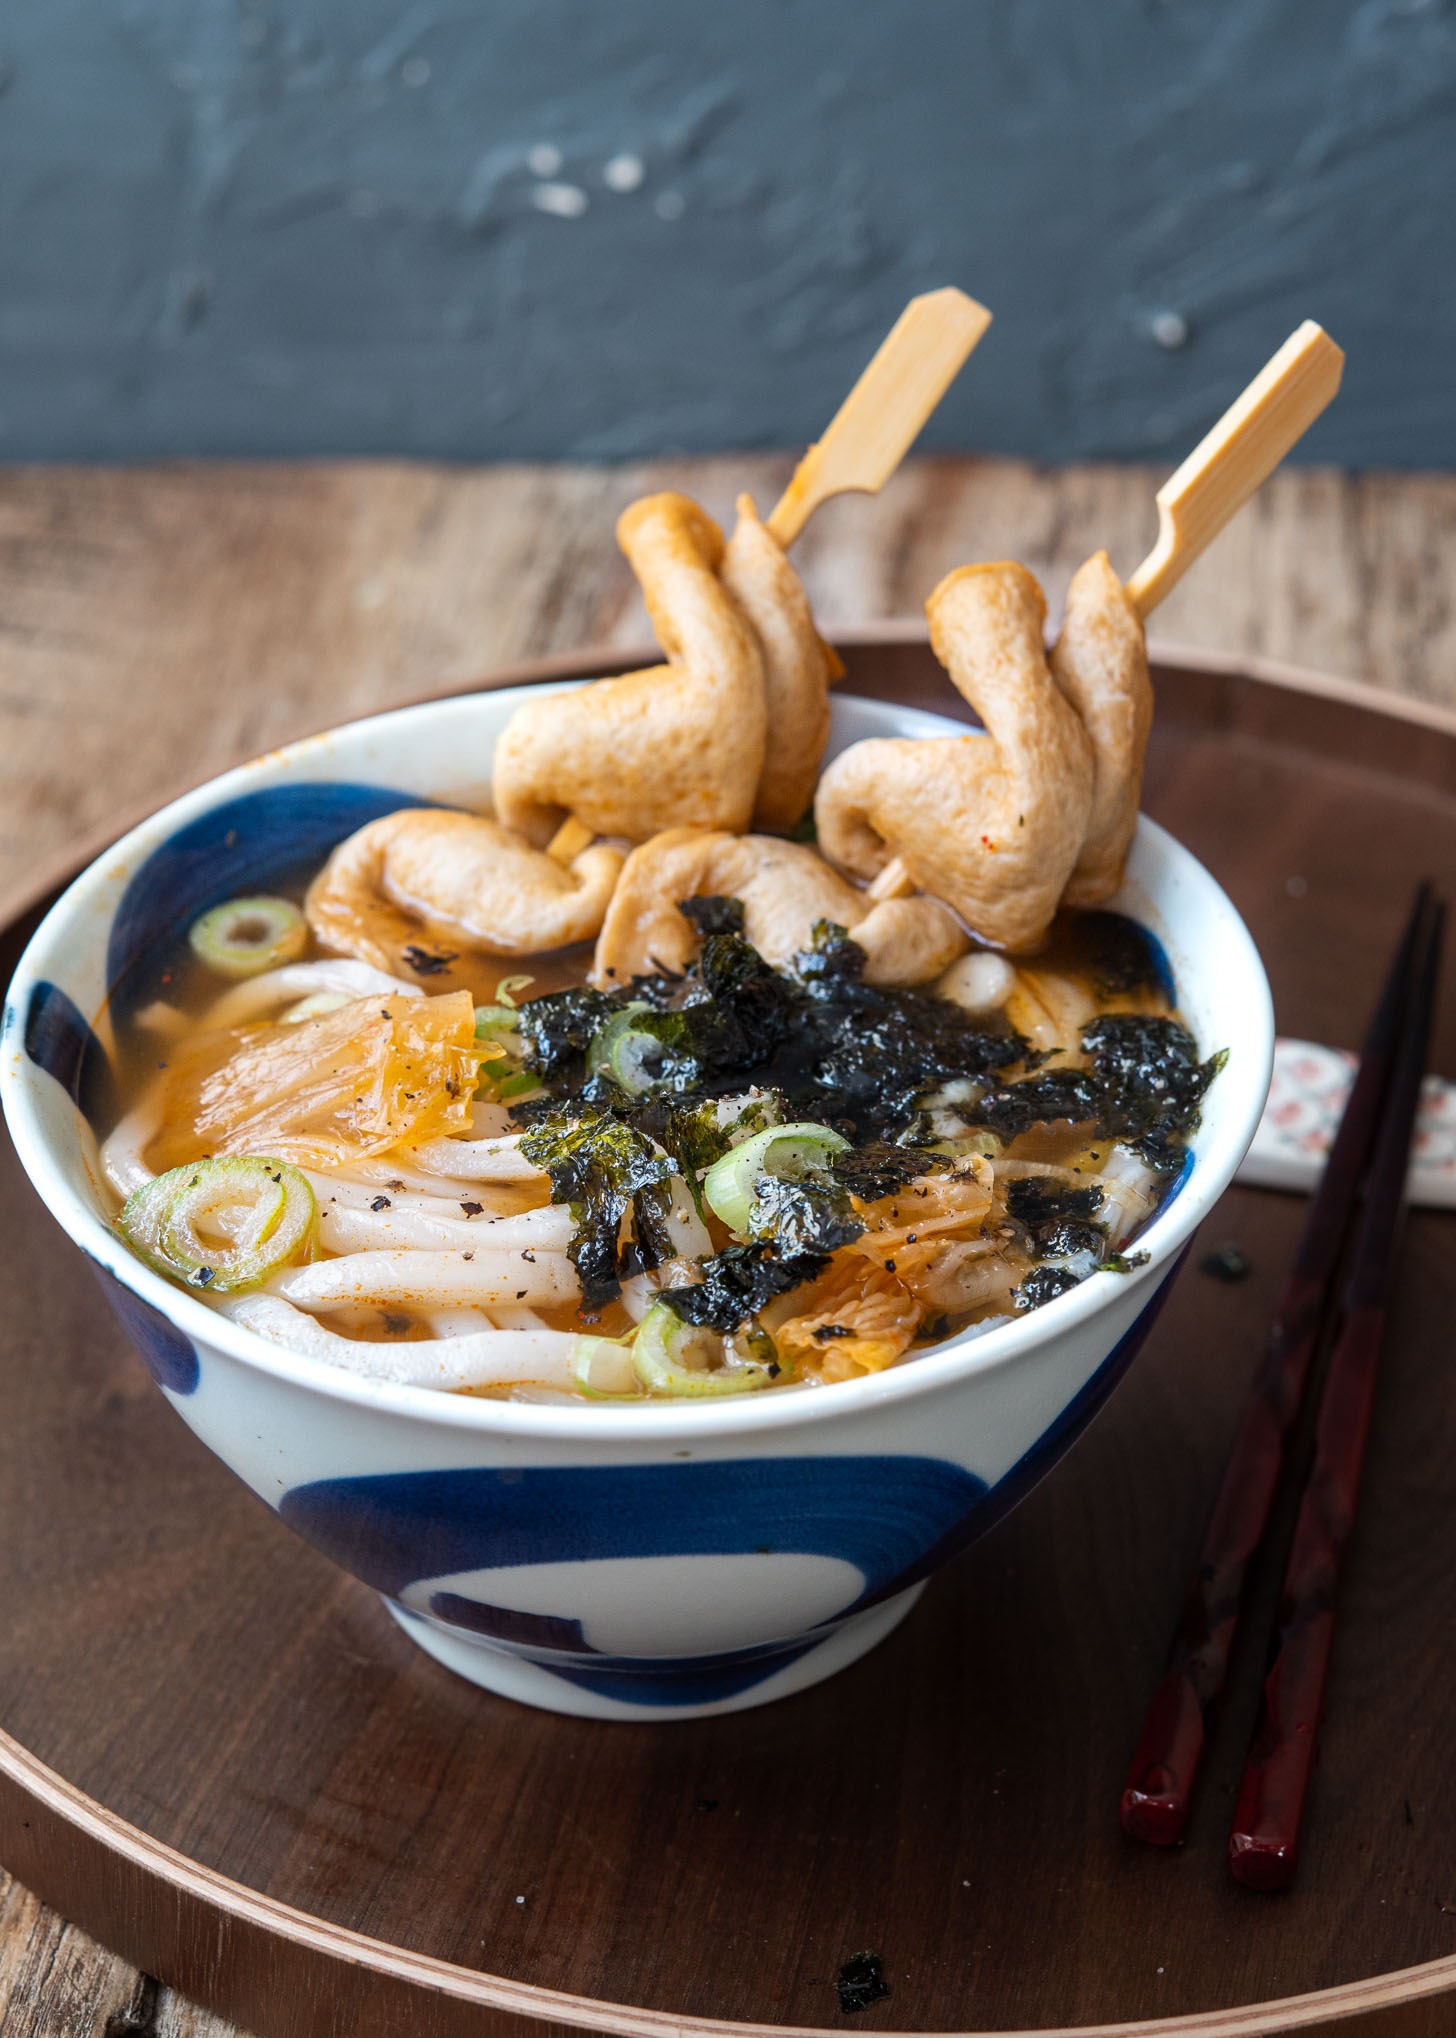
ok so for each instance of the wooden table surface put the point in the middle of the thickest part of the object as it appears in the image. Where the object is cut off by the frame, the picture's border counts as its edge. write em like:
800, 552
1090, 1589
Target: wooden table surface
159, 624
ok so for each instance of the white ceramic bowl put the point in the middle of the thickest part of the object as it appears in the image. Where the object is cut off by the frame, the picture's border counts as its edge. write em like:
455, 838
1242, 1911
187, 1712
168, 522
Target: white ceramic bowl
649, 1562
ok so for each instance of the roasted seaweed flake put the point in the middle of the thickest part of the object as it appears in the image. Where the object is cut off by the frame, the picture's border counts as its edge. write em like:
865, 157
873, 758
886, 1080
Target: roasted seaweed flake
598, 1164
740, 1281
1151, 1082
1052, 1096
1227, 1263
803, 1213
1058, 1219
713, 914
878, 1168
1121, 957
557, 1029
1044, 1284
428, 962
833, 957
861, 1983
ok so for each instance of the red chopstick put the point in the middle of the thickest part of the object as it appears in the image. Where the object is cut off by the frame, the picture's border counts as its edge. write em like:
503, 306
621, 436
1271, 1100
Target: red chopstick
1158, 1794
1263, 1848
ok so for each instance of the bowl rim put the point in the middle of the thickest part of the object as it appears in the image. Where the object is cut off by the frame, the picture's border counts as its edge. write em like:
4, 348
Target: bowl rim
936, 1368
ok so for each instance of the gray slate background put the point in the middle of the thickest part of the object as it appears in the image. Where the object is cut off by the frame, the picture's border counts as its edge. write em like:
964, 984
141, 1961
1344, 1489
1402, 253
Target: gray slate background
566, 228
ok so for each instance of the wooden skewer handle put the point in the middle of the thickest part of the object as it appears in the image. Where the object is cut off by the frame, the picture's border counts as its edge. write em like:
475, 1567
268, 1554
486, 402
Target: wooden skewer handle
1241, 451
569, 840
883, 414
893, 882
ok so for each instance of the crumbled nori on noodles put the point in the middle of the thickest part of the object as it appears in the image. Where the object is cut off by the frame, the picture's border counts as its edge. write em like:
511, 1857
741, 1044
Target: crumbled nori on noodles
738, 1282
598, 1164
833, 956
1058, 1218
1044, 1284
1120, 1263
1050, 1097
822, 1045
557, 1030
837, 1050
1151, 1082
878, 1169
803, 1213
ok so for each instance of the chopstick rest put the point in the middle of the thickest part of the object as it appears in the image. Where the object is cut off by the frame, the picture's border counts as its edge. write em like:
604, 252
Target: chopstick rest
1263, 1849
1307, 1095
1157, 1796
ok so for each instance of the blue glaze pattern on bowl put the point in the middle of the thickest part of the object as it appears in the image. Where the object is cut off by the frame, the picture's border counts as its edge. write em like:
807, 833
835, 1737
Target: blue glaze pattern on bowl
876, 1516
60, 1040
876, 1513
168, 1353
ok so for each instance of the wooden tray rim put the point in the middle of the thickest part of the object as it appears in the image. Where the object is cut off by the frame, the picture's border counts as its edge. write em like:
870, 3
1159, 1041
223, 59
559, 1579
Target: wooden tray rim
59, 1821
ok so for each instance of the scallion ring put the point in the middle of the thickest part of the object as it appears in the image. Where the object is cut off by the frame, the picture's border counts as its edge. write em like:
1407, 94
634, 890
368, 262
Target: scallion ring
623, 1050
247, 936
664, 1349
498, 1024
222, 1225
784, 1150
602, 1368
495, 1026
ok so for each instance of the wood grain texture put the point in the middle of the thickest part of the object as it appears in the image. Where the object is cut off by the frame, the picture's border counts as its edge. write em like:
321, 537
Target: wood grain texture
156, 625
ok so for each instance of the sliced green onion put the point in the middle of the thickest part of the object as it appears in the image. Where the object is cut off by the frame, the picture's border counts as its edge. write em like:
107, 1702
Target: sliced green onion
622, 1049
673, 1357
506, 989
247, 936
497, 1023
602, 1368
760, 1349
222, 1225
785, 1150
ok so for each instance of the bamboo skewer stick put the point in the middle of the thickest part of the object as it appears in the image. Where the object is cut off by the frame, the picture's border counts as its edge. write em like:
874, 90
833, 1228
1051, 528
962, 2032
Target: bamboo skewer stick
569, 840
1242, 450
1215, 481
868, 436
878, 422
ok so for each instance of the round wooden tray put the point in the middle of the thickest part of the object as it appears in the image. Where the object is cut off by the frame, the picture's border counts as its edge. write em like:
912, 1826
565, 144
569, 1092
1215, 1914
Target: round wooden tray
224, 1760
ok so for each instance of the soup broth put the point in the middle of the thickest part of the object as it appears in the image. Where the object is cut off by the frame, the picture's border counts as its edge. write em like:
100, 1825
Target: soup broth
728, 1178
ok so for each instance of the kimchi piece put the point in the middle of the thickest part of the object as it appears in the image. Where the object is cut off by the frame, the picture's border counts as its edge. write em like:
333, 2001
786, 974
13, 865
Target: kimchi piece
855, 1318
343, 1086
